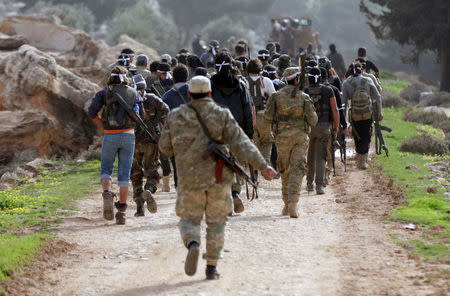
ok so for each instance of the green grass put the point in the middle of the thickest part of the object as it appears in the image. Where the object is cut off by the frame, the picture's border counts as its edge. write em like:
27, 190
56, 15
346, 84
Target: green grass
37, 206
429, 252
395, 86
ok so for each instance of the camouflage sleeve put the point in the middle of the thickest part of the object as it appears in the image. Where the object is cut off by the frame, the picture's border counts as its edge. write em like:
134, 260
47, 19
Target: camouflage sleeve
240, 144
310, 111
165, 110
269, 114
165, 141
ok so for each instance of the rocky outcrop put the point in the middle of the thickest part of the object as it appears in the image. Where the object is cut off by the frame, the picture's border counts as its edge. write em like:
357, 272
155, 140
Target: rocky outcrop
11, 42
74, 47
48, 103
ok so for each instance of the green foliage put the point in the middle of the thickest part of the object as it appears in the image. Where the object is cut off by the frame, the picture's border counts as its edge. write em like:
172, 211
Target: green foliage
430, 252
436, 119
222, 29
76, 15
425, 144
394, 86
423, 207
145, 25
385, 74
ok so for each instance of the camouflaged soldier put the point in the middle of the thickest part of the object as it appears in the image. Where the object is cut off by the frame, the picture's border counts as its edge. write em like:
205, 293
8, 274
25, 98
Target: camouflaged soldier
199, 192
142, 68
291, 118
125, 59
146, 154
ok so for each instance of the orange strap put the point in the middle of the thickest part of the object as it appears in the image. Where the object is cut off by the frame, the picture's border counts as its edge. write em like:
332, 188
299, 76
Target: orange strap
219, 170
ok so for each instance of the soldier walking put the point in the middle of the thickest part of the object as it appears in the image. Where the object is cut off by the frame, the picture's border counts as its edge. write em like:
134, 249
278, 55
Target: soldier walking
291, 117
186, 134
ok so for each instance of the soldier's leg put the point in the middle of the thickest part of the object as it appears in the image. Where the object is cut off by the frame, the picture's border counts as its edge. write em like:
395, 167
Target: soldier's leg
297, 168
263, 139
283, 148
151, 164
165, 165
190, 207
321, 149
311, 157
137, 170
329, 164
218, 205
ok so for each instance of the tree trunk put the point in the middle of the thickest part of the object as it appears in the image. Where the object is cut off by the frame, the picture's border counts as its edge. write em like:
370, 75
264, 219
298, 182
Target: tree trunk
444, 54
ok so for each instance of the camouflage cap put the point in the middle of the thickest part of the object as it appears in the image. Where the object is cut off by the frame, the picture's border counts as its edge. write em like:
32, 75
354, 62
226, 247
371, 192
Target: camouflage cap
214, 43
284, 61
199, 85
291, 73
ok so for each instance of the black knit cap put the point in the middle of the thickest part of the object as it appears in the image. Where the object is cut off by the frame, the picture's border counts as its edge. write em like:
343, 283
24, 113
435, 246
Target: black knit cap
164, 67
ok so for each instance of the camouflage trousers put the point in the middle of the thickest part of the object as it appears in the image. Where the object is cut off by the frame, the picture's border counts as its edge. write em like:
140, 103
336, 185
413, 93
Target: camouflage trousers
292, 149
317, 153
263, 136
215, 204
145, 165
329, 160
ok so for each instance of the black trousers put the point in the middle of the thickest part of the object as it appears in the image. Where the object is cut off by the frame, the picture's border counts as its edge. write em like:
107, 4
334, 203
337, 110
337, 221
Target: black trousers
362, 133
274, 156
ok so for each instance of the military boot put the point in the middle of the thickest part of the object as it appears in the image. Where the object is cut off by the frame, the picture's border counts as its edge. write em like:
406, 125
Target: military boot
320, 189
121, 213
108, 204
364, 164
139, 206
150, 187
190, 265
310, 187
293, 211
285, 211
166, 184
151, 203
237, 202
211, 272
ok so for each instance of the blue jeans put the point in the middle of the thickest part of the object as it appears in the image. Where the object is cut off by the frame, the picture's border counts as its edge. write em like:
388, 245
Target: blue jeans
121, 145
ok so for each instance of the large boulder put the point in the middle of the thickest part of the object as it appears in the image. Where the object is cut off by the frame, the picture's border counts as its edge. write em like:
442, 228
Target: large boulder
109, 55
74, 47
48, 103
11, 42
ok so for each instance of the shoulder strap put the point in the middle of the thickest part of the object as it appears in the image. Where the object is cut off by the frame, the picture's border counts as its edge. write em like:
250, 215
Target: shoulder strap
180, 94
200, 120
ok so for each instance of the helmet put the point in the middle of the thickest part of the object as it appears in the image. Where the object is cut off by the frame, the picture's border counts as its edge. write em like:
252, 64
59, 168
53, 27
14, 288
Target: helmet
284, 61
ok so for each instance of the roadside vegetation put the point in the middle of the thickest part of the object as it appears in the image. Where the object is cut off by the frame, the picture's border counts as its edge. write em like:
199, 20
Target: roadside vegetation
34, 205
413, 147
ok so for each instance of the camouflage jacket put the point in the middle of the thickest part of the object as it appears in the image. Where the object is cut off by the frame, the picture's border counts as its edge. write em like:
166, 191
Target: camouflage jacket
183, 137
286, 113
146, 74
155, 114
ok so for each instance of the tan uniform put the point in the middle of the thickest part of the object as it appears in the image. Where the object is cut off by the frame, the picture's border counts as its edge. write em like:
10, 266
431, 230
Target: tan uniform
291, 119
198, 192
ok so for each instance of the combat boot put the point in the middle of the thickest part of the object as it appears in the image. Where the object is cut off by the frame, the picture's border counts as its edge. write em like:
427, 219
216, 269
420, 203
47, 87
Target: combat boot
320, 189
166, 184
121, 216
237, 202
190, 265
285, 211
150, 187
139, 206
310, 187
364, 164
211, 272
293, 211
108, 204
151, 203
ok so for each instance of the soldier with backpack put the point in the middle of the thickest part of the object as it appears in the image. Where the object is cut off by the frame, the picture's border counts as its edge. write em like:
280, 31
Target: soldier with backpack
360, 92
260, 88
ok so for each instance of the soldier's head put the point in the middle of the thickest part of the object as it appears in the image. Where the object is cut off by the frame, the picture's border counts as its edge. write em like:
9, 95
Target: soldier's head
180, 73
290, 75
323, 74
284, 61
200, 71
270, 71
139, 83
166, 58
254, 67
314, 76
362, 52
129, 52
142, 60
118, 76
182, 58
213, 47
223, 63
362, 62
325, 63
154, 67
183, 51
173, 63
194, 62
239, 50
354, 69
123, 60
310, 64
332, 48
163, 69
199, 87
243, 62
264, 55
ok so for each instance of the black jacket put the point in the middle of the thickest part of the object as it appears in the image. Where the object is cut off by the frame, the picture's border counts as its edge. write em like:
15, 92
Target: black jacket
230, 92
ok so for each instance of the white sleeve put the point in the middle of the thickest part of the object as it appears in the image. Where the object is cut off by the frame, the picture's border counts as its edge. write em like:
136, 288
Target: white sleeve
269, 88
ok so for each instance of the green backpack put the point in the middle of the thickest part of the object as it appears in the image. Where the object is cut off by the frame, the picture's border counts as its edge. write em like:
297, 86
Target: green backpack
361, 104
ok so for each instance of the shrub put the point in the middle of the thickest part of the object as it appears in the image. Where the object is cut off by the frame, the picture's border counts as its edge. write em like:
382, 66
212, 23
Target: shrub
435, 99
391, 100
412, 92
425, 143
436, 118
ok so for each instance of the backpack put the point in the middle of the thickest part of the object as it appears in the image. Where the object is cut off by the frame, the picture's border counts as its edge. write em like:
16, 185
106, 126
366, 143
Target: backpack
361, 104
113, 115
256, 93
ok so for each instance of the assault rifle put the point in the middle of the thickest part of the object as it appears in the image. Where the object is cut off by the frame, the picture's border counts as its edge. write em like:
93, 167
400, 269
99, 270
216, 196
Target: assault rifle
342, 148
334, 145
302, 81
380, 144
135, 117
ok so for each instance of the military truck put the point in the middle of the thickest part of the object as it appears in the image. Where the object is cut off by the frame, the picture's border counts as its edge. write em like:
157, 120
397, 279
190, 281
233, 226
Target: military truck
292, 33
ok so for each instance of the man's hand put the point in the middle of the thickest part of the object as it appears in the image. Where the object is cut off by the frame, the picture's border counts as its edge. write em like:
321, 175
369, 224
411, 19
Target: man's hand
380, 117
269, 173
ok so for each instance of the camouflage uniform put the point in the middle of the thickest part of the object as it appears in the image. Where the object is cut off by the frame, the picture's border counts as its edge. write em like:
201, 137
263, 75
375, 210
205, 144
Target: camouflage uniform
291, 119
146, 154
146, 74
198, 192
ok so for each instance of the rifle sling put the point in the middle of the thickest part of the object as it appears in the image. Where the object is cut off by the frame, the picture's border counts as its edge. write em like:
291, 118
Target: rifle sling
219, 162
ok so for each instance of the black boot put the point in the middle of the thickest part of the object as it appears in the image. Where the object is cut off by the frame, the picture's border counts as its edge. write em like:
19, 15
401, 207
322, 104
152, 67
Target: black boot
139, 207
190, 265
211, 272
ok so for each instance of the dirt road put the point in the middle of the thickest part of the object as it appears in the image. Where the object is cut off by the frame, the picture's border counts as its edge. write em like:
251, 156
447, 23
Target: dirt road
338, 246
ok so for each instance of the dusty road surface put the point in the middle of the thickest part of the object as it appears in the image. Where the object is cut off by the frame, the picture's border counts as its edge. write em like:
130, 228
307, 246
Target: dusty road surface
338, 246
